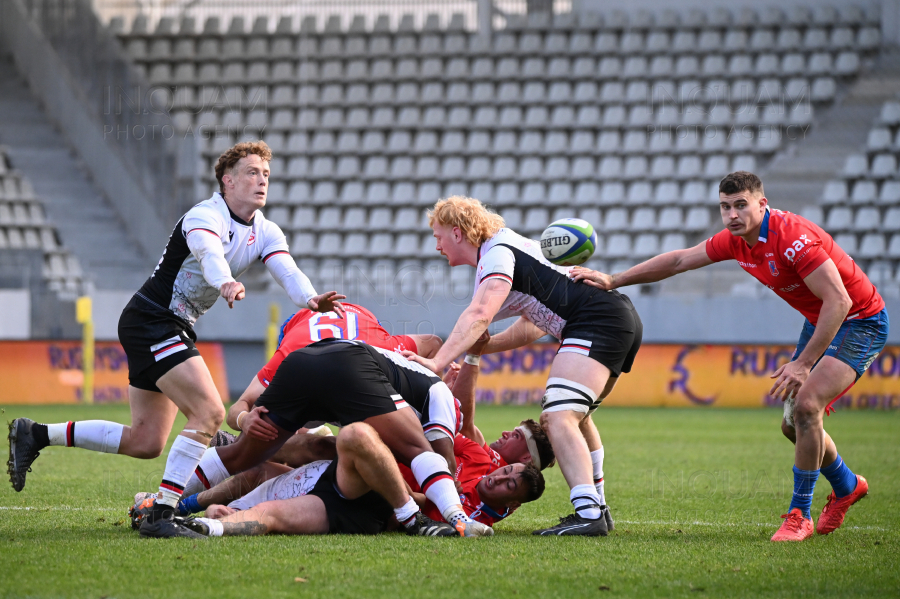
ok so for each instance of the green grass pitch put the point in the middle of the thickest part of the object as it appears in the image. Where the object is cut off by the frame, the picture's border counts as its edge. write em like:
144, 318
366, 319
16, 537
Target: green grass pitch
696, 495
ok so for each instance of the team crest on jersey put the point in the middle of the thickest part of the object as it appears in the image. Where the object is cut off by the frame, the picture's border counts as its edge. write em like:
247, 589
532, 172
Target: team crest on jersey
252, 239
773, 269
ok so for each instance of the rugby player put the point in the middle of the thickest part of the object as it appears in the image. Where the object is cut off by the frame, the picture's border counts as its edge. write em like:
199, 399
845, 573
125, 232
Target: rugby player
355, 493
300, 330
600, 335
343, 381
212, 244
846, 327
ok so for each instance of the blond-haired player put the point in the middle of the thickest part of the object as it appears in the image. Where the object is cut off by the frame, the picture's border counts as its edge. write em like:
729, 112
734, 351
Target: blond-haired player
600, 333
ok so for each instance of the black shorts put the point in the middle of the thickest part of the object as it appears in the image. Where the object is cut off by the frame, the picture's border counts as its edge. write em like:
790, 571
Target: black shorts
366, 515
155, 341
608, 329
330, 381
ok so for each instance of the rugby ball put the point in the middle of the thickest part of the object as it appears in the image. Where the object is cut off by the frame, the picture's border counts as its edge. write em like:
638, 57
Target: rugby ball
568, 242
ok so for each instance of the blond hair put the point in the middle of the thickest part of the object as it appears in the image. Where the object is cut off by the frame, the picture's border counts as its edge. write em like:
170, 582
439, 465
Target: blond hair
476, 222
232, 155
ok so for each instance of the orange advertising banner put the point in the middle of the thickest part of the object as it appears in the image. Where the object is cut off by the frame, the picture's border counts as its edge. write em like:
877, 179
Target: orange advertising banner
44, 372
685, 376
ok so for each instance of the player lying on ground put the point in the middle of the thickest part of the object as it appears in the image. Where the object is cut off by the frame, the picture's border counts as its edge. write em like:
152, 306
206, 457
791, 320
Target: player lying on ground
212, 244
846, 327
490, 492
342, 382
298, 331
356, 493
600, 333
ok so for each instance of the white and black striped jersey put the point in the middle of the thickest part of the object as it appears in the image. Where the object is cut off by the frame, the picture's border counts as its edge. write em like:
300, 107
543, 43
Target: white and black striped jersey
422, 390
181, 284
541, 291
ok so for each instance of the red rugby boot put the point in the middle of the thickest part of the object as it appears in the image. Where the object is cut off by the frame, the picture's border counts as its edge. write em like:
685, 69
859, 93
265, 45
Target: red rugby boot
794, 528
836, 509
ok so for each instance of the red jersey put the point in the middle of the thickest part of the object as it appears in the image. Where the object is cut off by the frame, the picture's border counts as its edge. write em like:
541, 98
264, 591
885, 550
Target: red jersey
789, 249
473, 462
306, 327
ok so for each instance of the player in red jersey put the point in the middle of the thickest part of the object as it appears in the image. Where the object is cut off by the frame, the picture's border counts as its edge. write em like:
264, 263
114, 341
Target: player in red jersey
846, 327
306, 327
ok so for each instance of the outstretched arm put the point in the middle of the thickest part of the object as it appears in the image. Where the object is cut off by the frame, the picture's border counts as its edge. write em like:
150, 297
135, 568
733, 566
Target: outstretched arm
653, 270
471, 324
518, 334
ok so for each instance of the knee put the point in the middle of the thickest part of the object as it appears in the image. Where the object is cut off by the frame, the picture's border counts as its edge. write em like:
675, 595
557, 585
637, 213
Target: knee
324, 448
356, 437
806, 412
147, 450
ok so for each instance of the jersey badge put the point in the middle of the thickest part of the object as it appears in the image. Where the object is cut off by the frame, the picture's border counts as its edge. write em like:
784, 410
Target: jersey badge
773, 268
252, 239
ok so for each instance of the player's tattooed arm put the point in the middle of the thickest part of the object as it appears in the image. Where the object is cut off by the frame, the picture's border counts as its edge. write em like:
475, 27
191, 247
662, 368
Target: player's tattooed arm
248, 528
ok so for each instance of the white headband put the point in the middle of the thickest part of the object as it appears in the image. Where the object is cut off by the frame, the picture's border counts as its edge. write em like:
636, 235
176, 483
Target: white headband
532, 446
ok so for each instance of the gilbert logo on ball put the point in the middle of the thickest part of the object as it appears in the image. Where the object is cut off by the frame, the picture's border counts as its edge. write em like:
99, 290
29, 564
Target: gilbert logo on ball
568, 242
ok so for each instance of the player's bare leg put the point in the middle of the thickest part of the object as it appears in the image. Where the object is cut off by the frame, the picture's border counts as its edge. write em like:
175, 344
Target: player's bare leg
152, 416
570, 445
825, 382
251, 451
298, 516
595, 446
402, 432
190, 387
831, 452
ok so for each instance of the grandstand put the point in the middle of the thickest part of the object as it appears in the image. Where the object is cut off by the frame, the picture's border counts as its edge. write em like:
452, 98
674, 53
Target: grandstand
626, 119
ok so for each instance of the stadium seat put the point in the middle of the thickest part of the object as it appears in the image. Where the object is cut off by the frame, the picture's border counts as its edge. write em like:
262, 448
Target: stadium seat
835, 192
891, 221
643, 219
616, 219
864, 192
619, 246
883, 166
866, 219
890, 193
697, 219
839, 219
873, 245
813, 213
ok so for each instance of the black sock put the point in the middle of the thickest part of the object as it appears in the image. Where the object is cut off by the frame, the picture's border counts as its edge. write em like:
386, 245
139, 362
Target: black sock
39, 432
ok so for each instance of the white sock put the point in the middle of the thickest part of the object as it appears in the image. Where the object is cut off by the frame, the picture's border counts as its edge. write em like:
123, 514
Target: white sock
180, 465
407, 512
211, 468
95, 435
586, 501
433, 476
216, 529
597, 461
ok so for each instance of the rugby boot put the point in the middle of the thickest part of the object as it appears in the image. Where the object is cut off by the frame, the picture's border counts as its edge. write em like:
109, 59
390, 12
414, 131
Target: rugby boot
193, 524
466, 527
143, 503
836, 509
573, 524
23, 450
160, 523
794, 528
610, 525
423, 526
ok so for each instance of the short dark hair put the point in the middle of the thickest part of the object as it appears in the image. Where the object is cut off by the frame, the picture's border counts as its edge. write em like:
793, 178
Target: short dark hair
240, 150
739, 181
534, 483
545, 449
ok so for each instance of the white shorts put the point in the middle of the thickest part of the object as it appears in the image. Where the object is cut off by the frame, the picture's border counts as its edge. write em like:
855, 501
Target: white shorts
296, 483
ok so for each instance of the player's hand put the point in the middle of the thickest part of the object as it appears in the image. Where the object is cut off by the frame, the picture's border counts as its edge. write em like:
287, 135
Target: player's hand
478, 347
452, 374
426, 362
458, 484
327, 302
219, 511
232, 292
790, 377
255, 426
591, 277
